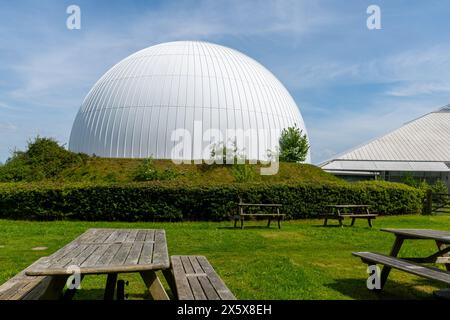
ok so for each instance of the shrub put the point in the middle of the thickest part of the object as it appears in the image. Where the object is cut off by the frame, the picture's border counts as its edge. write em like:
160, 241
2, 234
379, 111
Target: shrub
243, 172
439, 187
43, 159
148, 172
172, 201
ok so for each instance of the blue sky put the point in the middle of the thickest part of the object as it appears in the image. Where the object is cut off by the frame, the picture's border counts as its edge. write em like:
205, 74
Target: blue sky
350, 83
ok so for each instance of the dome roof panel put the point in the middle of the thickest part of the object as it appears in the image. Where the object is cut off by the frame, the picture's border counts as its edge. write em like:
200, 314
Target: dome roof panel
134, 107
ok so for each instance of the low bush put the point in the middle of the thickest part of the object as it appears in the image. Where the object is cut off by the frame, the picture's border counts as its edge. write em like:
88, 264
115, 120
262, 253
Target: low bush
43, 159
171, 201
147, 171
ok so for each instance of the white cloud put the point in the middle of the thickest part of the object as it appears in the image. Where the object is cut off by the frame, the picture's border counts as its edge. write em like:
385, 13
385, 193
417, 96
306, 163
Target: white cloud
7, 127
5, 106
418, 72
235, 18
413, 89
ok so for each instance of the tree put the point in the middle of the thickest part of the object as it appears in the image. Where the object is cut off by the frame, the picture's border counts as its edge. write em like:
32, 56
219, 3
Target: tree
294, 145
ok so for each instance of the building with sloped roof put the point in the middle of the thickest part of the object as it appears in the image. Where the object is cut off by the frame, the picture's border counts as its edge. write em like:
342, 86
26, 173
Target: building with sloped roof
420, 148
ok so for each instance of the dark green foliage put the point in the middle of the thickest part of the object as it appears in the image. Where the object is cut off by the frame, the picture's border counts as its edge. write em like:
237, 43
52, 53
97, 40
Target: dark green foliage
43, 159
172, 201
439, 187
410, 180
294, 145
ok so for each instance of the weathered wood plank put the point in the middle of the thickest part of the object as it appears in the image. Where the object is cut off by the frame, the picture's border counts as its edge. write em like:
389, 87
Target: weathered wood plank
183, 288
439, 235
359, 216
195, 285
121, 254
37, 292
146, 256
88, 236
109, 254
275, 205
403, 265
112, 237
141, 235
103, 234
79, 259
96, 255
154, 285
21, 285
131, 236
220, 287
67, 258
203, 278
160, 253
102, 269
196, 279
150, 235
135, 253
123, 234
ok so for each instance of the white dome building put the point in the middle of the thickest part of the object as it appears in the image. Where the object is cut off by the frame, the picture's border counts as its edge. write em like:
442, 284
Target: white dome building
201, 88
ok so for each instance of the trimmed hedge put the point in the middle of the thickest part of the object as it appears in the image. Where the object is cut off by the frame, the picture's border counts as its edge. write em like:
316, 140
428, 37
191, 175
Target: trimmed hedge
171, 201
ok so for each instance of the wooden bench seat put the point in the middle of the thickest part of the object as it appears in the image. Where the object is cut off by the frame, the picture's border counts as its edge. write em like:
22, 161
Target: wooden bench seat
23, 287
359, 216
431, 273
351, 211
195, 279
276, 215
341, 217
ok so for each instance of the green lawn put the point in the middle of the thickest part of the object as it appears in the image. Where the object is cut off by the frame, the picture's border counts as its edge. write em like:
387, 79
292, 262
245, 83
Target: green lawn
303, 260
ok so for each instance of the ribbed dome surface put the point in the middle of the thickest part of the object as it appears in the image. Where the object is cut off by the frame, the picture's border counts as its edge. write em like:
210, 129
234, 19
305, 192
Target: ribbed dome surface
133, 109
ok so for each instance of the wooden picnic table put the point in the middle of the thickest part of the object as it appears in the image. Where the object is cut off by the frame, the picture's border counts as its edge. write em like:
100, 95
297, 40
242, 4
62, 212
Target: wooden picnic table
414, 265
275, 215
108, 251
339, 212
441, 238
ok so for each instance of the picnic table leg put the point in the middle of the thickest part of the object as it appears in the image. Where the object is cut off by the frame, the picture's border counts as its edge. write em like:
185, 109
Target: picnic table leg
110, 288
325, 222
353, 222
68, 295
442, 246
394, 252
340, 222
370, 222
55, 288
154, 286
279, 222
120, 290
268, 223
168, 275
242, 222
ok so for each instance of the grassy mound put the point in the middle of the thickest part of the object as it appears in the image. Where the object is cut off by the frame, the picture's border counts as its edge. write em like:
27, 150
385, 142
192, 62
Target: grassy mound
47, 161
